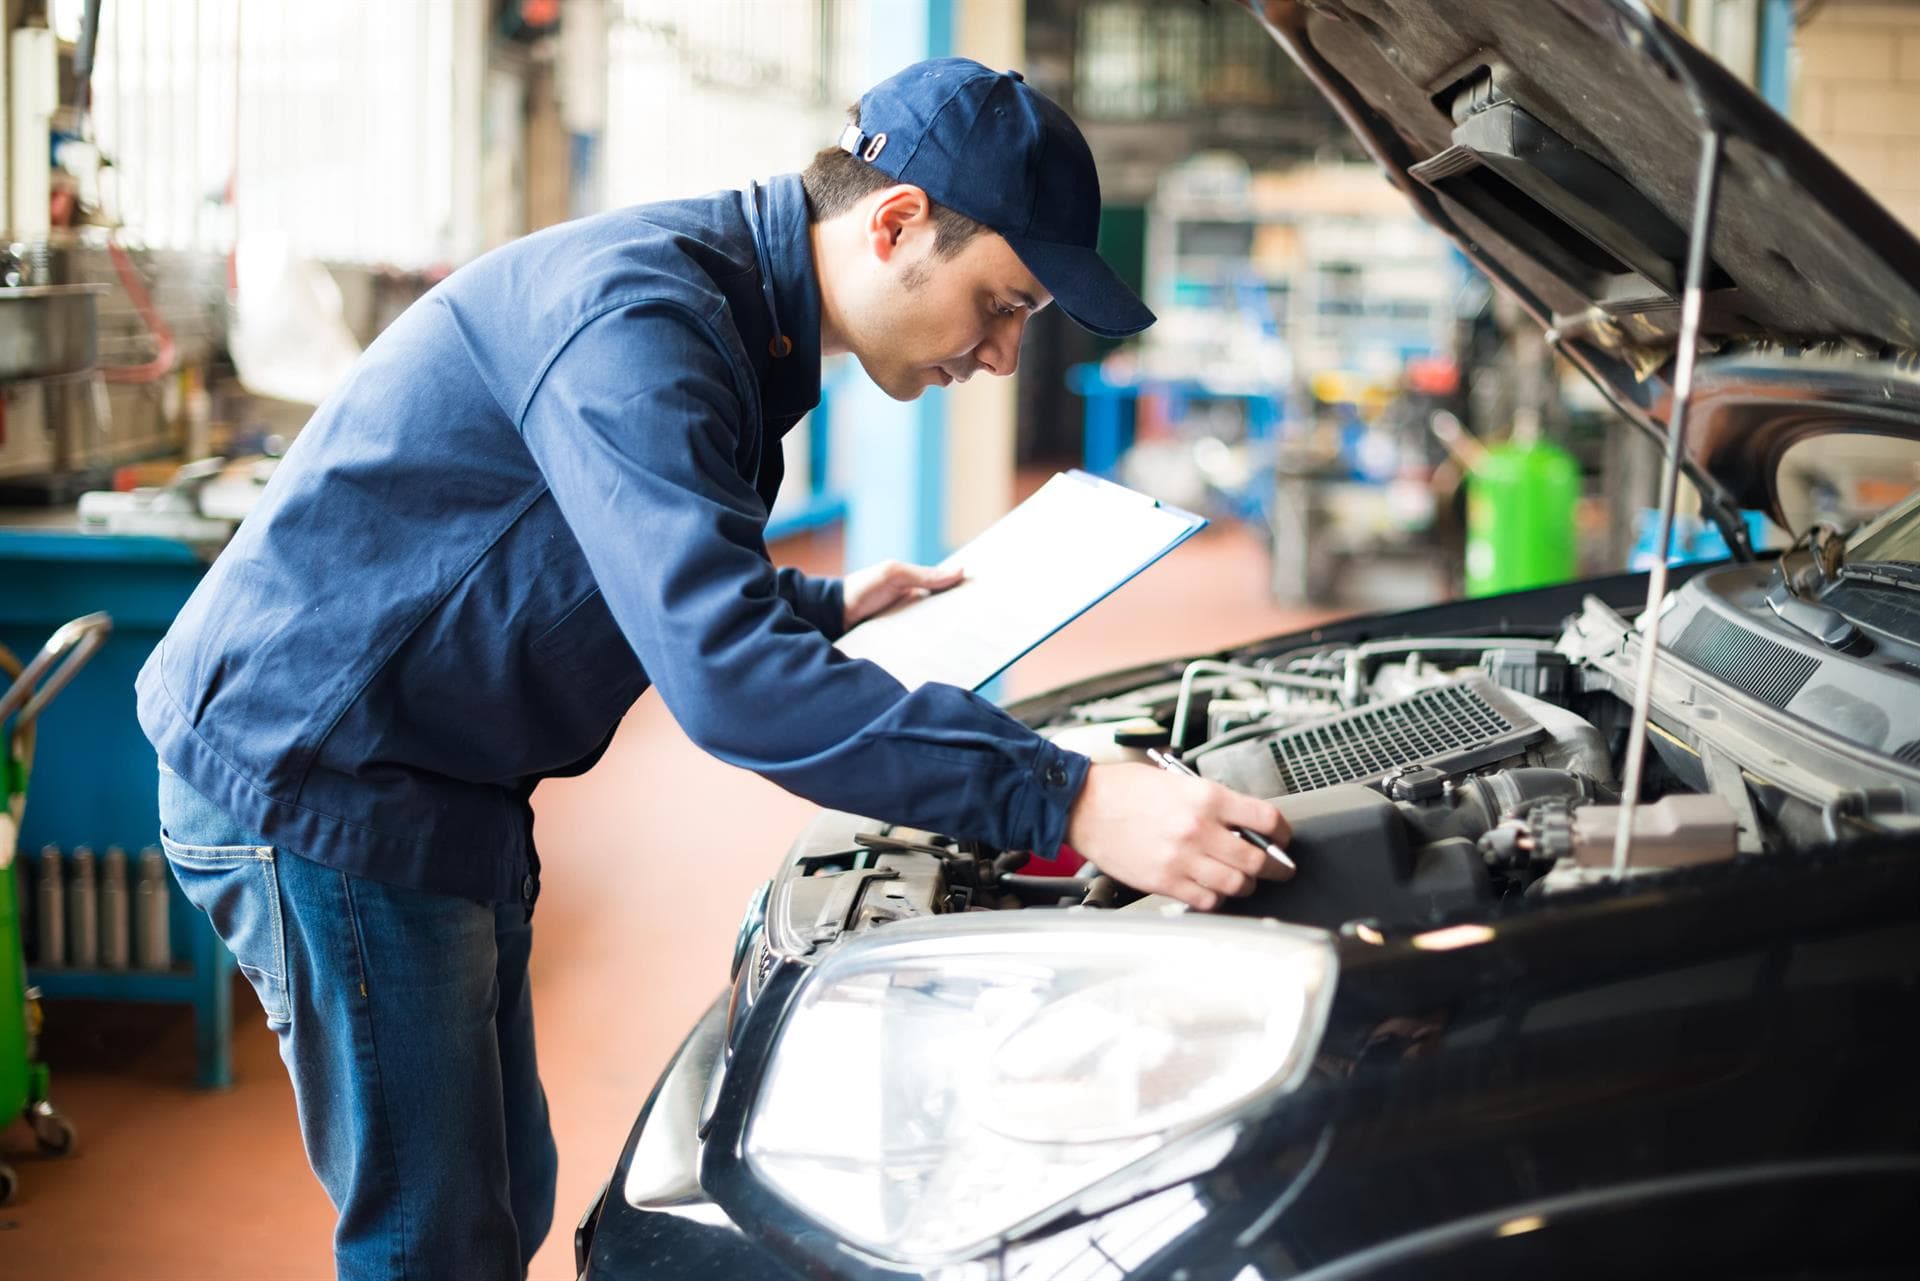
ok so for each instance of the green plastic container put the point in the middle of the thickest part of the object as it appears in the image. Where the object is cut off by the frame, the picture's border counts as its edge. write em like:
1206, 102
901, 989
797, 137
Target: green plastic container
1521, 505
23, 1080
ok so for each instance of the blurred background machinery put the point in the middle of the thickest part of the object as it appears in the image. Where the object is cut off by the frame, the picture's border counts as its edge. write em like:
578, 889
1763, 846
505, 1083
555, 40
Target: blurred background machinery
1308, 321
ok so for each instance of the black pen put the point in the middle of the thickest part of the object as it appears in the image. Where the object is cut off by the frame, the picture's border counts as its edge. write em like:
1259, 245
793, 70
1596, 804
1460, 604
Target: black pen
1174, 765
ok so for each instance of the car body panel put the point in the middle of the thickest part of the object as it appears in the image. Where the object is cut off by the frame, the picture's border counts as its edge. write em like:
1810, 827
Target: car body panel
1632, 1064
1639, 1060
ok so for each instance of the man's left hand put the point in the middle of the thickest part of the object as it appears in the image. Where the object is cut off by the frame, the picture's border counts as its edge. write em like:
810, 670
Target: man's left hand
880, 587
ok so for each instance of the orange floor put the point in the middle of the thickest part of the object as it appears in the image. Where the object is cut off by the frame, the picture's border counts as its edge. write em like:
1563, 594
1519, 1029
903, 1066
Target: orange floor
650, 859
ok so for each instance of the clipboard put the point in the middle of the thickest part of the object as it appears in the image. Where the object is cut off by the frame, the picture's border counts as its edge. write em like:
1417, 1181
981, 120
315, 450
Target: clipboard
1073, 543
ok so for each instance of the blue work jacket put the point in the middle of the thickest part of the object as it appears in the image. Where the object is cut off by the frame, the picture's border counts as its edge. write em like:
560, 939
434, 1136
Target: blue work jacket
542, 489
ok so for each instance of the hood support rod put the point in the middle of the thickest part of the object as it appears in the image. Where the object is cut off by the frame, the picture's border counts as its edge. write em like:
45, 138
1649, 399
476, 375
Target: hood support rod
1706, 188
1715, 503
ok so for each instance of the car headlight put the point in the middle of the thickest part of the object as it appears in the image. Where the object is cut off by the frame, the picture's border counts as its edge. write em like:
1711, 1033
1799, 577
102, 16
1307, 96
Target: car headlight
939, 1084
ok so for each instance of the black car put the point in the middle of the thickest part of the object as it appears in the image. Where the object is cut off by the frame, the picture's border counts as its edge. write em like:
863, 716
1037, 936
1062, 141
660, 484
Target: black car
1515, 1015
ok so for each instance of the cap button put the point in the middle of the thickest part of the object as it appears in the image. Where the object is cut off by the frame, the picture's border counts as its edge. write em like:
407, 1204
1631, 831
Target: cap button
1016, 75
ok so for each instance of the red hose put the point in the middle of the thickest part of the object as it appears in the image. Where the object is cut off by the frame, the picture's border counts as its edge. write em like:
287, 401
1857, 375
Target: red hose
162, 362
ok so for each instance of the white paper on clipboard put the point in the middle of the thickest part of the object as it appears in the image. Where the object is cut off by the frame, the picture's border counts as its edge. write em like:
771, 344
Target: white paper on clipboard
1031, 573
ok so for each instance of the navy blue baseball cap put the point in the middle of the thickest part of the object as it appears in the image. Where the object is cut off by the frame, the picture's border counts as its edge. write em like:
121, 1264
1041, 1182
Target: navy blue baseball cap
986, 144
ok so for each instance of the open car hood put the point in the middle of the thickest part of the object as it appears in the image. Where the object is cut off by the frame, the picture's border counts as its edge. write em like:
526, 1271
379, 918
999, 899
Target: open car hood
1557, 142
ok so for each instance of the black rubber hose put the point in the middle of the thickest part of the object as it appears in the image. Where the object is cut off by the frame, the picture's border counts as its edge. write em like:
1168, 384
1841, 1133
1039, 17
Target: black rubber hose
1011, 861
1485, 801
1102, 891
1041, 886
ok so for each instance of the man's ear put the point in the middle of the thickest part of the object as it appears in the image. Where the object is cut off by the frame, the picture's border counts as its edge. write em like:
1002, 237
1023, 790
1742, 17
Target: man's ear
897, 214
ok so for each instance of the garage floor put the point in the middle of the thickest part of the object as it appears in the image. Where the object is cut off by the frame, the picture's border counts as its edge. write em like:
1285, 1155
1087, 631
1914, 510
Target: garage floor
650, 859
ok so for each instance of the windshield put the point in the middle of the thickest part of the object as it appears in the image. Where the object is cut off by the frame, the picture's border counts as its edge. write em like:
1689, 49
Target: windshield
1895, 536
1844, 479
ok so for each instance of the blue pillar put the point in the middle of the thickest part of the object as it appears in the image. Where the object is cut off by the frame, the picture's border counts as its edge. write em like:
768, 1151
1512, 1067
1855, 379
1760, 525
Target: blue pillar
1776, 42
896, 501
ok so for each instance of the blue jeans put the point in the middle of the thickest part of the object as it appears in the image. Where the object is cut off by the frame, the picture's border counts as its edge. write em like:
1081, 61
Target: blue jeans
406, 1021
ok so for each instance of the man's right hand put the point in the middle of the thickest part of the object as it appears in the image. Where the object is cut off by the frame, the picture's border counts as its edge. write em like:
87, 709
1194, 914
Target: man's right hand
1168, 834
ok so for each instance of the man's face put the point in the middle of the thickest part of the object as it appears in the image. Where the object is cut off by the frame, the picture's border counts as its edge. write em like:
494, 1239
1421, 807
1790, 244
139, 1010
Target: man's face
924, 320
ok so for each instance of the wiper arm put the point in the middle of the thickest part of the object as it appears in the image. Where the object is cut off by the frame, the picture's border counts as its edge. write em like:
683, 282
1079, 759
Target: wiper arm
1829, 548
1822, 622
1826, 561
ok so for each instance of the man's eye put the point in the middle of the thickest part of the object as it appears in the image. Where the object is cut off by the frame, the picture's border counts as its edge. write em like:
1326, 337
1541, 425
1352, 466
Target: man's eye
1001, 308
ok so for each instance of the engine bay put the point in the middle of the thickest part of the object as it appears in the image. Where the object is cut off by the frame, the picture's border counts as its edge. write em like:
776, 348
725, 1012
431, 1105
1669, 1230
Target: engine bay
1429, 777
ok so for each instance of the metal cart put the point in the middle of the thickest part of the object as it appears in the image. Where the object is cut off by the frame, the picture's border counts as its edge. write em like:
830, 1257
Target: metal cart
23, 1080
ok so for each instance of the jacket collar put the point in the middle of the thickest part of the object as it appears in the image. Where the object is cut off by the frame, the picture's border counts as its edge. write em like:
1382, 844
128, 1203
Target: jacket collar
789, 310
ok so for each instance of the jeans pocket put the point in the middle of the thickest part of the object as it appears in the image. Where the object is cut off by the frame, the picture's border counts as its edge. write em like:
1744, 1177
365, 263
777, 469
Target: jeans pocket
238, 887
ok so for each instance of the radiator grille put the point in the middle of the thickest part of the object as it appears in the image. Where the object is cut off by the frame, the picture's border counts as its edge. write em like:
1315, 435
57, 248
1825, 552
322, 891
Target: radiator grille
1910, 753
1745, 660
1433, 724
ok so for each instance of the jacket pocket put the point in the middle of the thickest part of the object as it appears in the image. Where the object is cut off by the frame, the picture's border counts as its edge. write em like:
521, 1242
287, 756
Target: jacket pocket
238, 887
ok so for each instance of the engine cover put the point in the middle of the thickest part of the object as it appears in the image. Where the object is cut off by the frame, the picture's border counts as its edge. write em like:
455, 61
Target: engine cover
1358, 859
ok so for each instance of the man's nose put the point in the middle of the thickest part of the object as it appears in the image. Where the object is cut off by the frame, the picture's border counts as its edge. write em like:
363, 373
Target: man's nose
999, 352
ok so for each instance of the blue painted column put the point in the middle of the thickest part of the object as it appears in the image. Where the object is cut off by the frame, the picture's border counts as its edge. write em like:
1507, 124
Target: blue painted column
1776, 42
896, 499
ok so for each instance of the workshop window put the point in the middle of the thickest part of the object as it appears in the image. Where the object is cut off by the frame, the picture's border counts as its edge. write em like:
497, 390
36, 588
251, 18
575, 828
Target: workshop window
331, 124
699, 95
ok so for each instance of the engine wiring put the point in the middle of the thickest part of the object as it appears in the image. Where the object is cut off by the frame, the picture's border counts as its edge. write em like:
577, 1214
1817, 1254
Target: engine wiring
1183, 707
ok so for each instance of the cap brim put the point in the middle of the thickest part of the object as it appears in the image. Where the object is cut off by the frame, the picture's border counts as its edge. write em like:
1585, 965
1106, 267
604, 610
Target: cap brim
1085, 287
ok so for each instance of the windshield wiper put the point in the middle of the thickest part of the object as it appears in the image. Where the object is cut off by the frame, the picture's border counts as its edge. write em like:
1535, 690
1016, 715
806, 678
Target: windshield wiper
1883, 573
1822, 622
1792, 602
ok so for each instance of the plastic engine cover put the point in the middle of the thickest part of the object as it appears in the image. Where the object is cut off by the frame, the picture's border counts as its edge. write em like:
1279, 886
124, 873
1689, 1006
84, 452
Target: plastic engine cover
1357, 860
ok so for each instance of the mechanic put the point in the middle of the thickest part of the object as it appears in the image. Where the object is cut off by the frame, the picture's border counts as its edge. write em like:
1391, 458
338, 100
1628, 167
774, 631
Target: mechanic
542, 489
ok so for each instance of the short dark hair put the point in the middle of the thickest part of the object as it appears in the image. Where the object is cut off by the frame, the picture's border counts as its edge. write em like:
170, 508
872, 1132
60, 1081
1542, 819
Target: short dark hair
835, 181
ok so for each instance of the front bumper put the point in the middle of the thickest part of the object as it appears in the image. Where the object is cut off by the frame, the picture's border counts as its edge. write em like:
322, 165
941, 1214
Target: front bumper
619, 1243
651, 1219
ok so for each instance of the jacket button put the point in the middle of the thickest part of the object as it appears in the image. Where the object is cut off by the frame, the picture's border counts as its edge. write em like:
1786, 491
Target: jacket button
1056, 775
526, 888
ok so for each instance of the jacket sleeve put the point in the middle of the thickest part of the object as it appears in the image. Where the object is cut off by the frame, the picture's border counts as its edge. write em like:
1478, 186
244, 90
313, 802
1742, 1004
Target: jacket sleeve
821, 602
636, 425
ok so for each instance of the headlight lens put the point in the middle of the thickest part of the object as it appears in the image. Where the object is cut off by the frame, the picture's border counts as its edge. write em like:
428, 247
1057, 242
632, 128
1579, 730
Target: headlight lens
938, 1084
